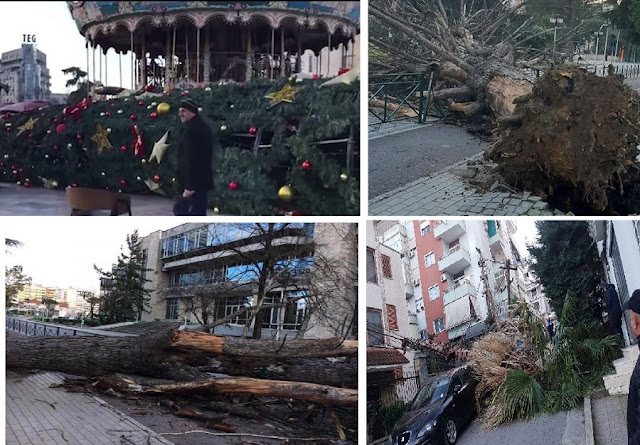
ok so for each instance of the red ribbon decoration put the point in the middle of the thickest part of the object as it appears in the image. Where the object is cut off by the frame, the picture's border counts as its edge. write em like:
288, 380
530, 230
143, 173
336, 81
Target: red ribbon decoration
138, 143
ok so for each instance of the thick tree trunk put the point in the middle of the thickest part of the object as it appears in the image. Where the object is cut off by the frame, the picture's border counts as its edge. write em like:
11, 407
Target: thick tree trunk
168, 354
404, 111
331, 347
306, 392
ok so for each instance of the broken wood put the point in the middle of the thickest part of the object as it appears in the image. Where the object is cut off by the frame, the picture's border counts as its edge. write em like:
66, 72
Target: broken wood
403, 111
307, 392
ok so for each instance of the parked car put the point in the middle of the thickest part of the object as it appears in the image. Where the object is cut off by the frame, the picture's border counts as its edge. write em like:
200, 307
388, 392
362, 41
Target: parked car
439, 411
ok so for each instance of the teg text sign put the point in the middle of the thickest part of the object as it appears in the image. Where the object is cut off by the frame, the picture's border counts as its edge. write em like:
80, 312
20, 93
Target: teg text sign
28, 38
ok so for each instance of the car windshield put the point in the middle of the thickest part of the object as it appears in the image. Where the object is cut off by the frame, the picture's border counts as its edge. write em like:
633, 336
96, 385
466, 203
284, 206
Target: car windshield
434, 391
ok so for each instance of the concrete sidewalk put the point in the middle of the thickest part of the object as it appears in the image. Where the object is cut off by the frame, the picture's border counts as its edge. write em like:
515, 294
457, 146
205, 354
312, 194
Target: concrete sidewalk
610, 420
39, 415
445, 193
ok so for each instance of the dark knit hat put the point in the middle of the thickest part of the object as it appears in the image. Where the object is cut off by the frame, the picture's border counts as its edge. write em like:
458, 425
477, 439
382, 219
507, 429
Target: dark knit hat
189, 104
633, 303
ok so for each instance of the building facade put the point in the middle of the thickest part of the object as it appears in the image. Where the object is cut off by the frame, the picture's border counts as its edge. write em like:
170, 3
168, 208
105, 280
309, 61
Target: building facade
203, 273
24, 71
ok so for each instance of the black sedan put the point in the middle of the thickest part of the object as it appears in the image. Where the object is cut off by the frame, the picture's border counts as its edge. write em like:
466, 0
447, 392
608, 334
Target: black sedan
439, 410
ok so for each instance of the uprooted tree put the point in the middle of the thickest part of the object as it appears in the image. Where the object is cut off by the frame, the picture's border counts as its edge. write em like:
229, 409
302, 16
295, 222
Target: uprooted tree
569, 137
171, 354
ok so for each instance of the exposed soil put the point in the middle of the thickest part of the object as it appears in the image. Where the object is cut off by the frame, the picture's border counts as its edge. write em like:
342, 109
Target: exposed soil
574, 142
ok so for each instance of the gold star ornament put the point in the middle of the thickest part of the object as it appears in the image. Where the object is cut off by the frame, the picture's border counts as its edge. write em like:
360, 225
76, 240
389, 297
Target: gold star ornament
27, 126
102, 139
159, 148
286, 94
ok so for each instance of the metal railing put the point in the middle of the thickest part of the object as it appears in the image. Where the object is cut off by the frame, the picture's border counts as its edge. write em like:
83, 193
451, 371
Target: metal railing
29, 327
452, 251
399, 87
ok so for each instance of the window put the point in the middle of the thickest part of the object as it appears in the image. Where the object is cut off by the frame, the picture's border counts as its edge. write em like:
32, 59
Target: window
292, 310
438, 325
419, 305
375, 335
372, 276
173, 307
429, 259
386, 267
434, 292
229, 305
392, 317
425, 228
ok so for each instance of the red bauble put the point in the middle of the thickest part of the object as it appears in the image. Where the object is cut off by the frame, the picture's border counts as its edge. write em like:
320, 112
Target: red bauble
21, 170
123, 148
30, 136
8, 129
107, 188
233, 185
123, 183
184, 93
74, 185
133, 117
79, 137
316, 76
113, 104
56, 148
253, 130
1, 164
306, 165
108, 113
141, 103
149, 88
153, 115
156, 178
27, 184
55, 120
13, 168
61, 128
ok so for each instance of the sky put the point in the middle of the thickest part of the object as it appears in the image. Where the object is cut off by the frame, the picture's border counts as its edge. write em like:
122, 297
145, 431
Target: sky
61, 252
526, 233
58, 37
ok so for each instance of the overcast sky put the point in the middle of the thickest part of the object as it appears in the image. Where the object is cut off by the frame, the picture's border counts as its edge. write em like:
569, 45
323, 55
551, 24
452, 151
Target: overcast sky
526, 234
58, 37
61, 252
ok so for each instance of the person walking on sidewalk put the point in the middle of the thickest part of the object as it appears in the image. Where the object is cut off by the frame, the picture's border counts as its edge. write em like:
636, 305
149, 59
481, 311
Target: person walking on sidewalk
633, 402
196, 161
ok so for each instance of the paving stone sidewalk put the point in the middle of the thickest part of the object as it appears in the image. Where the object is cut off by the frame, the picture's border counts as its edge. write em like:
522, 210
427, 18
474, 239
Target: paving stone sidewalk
39, 415
444, 193
610, 420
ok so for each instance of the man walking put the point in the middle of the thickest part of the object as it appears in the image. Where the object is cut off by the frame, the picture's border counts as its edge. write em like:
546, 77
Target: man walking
196, 161
633, 402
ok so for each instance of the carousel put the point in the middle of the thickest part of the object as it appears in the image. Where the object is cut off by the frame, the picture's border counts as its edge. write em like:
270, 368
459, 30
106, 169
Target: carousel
190, 44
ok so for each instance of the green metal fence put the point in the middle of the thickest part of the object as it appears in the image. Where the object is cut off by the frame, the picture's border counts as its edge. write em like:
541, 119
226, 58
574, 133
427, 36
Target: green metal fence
399, 88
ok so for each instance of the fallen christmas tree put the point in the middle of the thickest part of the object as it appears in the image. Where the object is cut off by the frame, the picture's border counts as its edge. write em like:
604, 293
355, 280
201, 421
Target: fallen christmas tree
287, 146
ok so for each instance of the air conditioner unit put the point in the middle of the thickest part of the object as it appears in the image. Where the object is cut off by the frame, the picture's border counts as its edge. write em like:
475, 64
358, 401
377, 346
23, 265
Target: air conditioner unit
443, 277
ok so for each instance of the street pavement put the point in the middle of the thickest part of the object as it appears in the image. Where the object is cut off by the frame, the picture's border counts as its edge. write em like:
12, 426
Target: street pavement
39, 415
610, 420
20, 201
411, 152
565, 428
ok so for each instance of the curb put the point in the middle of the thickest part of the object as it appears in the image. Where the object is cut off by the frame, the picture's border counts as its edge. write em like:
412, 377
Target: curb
588, 422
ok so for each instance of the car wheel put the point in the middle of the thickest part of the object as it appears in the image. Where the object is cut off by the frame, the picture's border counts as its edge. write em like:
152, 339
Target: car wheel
449, 431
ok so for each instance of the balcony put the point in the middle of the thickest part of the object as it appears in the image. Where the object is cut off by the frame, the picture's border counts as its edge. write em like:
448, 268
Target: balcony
454, 261
495, 241
449, 230
408, 291
461, 289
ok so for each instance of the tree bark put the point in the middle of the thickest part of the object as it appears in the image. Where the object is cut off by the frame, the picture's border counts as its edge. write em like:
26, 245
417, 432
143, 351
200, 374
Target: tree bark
169, 354
307, 392
403, 111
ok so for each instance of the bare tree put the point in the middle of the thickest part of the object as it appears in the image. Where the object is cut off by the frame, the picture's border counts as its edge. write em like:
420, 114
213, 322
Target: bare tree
272, 275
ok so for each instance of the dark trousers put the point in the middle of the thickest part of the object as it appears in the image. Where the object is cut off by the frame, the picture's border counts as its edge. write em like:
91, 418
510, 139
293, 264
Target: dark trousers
196, 205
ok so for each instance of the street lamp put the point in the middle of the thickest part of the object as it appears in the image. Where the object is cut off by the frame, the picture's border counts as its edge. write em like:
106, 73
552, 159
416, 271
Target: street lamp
555, 20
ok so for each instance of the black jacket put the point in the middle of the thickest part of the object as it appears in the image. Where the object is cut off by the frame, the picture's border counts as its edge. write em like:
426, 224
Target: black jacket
198, 142
633, 407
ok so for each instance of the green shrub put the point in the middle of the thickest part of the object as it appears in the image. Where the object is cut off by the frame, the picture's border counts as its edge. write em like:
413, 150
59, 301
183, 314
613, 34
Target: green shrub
389, 415
522, 396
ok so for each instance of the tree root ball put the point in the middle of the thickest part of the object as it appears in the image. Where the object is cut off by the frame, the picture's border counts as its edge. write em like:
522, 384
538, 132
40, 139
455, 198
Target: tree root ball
573, 140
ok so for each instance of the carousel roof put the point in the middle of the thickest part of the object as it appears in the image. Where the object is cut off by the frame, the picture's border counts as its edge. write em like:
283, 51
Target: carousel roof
99, 17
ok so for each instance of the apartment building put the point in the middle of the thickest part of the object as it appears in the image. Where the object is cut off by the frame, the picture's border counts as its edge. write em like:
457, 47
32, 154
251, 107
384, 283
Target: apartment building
24, 71
196, 268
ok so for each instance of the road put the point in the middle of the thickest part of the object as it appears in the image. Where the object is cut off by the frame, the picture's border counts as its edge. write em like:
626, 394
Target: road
400, 158
559, 429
